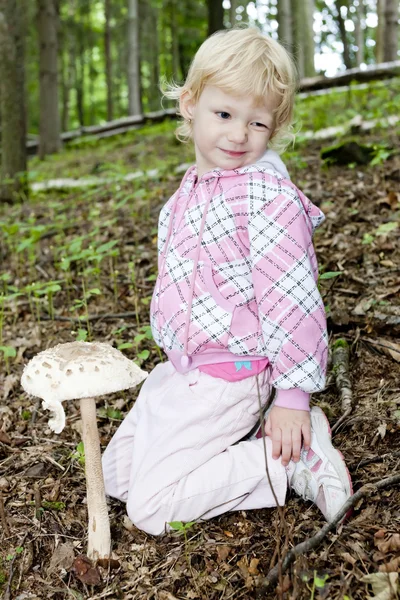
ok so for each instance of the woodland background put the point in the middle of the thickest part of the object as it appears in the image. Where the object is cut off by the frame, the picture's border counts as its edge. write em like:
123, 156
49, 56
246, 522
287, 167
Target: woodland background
88, 158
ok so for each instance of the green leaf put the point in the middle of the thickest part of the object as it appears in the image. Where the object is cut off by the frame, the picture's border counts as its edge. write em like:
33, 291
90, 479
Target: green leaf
82, 335
8, 351
386, 228
330, 274
114, 413
125, 345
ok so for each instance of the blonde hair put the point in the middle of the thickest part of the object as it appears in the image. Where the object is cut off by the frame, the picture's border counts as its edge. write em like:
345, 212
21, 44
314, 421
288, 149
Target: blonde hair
242, 61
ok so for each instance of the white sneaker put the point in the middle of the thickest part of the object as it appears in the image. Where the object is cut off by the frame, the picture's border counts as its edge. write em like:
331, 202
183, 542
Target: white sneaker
321, 474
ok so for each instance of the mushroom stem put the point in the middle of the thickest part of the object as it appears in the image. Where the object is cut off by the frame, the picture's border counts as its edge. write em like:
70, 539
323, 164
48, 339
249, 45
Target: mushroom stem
99, 537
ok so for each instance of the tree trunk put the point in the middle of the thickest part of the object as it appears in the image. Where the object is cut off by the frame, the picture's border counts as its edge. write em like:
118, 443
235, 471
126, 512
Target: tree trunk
359, 32
232, 12
303, 36
391, 30
215, 16
49, 120
343, 35
297, 29
380, 30
12, 100
176, 60
134, 97
285, 27
107, 52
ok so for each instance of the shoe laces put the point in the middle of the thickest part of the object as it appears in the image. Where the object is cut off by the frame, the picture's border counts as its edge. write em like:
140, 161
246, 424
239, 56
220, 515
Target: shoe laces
302, 485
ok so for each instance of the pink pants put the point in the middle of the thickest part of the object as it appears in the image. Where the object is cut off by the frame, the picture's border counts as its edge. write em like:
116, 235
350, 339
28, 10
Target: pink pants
173, 458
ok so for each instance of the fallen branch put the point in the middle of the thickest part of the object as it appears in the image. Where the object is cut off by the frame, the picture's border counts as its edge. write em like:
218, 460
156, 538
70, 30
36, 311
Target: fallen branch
373, 459
3, 517
314, 541
107, 316
340, 365
373, 72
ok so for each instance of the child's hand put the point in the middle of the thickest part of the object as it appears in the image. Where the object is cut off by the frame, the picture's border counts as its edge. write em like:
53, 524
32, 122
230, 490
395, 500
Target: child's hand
286, 427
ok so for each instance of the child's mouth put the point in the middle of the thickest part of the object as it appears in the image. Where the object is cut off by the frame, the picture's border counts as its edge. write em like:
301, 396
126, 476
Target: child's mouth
231, 153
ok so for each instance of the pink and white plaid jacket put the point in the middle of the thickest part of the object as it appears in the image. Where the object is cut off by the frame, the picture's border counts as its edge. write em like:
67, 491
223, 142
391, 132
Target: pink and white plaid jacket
237, 275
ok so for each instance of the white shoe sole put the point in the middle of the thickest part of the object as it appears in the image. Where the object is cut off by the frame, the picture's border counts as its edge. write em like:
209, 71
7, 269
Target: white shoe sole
322, 431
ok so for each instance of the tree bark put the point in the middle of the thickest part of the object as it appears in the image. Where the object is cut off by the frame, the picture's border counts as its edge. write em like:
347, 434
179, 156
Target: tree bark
134, 96
304, 36
380, 30
176, 59
49, 120
297, 27
13, 179
232, 12
391, 44
359, 32
108, 61
285, 27
215, 16
343, 34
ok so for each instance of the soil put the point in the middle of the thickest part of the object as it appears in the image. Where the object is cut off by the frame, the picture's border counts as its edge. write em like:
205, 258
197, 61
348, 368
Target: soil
42, 479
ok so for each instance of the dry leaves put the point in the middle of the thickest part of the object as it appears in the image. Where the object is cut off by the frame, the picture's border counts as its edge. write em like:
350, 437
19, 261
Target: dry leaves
85, 571
389, 348
387, 542
384, 585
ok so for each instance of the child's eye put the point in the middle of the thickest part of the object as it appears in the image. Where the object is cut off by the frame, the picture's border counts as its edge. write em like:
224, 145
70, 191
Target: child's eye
223, 115
260, 125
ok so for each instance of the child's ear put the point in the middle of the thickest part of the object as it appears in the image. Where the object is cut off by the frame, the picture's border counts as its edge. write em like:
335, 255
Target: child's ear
187, 106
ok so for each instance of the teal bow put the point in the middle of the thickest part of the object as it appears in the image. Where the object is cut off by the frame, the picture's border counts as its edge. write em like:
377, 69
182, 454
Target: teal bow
243, 363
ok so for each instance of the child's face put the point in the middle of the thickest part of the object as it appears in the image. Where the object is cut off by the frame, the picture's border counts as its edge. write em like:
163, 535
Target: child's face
229, 132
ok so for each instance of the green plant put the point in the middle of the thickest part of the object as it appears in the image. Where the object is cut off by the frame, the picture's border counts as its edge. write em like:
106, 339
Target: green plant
183, 528
79, 454
318, 582
8, 352
83, 303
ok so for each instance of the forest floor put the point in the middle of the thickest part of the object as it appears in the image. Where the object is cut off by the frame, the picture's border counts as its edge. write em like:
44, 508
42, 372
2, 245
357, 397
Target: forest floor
63, 242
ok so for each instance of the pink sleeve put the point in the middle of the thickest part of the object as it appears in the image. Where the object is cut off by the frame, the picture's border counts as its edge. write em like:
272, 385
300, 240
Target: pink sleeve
294, 398
284, 273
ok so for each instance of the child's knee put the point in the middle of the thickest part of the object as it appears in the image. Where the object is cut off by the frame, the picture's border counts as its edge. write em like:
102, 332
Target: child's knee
148, 514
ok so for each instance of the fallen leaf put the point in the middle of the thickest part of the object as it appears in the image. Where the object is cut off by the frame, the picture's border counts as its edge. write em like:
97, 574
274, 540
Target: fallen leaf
62, 558
84, 571
228, 534
389, 348
384, 585
5, 438
389, 543
223, 553
393, 566
8, 385
253, 570
39, 470
164, 595
349, 558
109, 563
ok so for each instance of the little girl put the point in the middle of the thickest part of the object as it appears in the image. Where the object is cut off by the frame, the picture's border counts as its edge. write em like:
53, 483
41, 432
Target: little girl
237, 310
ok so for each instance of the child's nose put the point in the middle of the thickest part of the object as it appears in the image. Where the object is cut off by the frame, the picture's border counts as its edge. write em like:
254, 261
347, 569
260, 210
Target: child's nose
238, 134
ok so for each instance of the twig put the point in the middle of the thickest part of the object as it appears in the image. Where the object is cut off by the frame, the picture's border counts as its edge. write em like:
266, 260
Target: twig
3, 517
314, 541
282, 522
340, 365
90, 318
7, 593
373, 459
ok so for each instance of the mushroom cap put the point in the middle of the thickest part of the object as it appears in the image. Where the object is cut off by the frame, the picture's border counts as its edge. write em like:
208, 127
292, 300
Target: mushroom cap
79, 370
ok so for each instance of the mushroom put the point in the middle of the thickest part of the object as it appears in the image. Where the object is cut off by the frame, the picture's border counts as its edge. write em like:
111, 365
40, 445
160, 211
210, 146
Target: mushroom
83, 370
